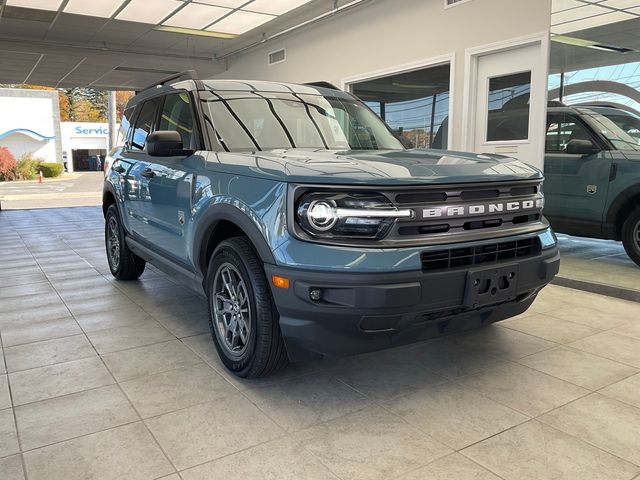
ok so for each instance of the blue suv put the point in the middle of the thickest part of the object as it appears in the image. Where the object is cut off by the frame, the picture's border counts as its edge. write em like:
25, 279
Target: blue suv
309, 227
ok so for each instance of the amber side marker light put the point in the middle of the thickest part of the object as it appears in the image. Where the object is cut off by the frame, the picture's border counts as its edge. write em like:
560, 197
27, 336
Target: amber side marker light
280, 282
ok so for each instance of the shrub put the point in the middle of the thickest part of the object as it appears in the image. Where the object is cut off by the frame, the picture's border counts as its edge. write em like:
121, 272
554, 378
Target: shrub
27, 168
7, 164
50, 169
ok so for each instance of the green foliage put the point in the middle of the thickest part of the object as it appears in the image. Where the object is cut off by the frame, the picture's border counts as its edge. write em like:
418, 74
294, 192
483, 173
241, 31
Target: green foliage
27, 167
50, 169
7, 164
83, 105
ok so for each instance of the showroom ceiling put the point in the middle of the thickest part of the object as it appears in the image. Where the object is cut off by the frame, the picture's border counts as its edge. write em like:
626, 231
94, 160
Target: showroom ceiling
584, 36
128, 44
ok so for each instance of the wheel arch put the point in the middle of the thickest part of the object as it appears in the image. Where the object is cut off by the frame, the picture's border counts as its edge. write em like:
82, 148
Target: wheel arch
108, 197
621, 207
224, 221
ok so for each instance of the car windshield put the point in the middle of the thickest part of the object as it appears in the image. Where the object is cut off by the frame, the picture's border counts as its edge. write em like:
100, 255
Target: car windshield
249, 121
620, 139
627, 122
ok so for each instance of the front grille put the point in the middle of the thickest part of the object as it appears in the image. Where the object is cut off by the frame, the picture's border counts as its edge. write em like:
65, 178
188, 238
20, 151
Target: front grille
480, 255
467, 212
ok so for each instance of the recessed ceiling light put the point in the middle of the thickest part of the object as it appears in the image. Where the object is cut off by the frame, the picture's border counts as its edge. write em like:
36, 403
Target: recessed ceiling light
148, 11
94, 8
37, 4
193, 31
196, 15
274, 7
240, 22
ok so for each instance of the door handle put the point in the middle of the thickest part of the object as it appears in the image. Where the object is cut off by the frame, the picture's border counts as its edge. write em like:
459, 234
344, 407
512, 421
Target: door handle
147, 173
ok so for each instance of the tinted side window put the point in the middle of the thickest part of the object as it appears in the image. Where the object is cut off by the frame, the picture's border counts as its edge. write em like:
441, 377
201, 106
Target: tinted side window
144, 123
125, 126
561, 129
177, 114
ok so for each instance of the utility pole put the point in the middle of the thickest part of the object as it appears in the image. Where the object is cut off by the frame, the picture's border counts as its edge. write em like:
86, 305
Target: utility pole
111, 118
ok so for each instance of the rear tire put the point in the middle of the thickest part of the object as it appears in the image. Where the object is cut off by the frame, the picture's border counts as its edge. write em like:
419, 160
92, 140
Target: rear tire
631, 235
123, 263
243, 319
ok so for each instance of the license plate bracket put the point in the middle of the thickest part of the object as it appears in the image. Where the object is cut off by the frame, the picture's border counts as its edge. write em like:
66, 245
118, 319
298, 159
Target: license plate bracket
491, 285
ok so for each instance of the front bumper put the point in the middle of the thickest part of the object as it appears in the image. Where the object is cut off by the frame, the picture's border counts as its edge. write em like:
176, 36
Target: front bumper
361, 312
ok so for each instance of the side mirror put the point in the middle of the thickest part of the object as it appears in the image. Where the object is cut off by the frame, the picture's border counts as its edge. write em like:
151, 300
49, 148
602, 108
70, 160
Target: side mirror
581, 147
165, 143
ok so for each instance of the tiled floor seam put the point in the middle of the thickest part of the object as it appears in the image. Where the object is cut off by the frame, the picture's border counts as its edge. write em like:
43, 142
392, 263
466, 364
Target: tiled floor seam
141, 420
603, 357
13, 411
115, 381
575, 384
285, 435
445, 456
637, 464
380, 405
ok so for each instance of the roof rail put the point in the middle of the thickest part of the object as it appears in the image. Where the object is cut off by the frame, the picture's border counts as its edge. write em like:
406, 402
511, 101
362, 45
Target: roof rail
186, 75
322, 84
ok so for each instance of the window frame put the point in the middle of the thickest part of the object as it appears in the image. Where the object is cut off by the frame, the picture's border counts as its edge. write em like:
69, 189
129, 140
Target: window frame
573, 118
196, 126
134, 123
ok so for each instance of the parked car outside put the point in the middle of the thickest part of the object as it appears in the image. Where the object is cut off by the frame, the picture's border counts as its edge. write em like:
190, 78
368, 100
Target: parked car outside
310, 229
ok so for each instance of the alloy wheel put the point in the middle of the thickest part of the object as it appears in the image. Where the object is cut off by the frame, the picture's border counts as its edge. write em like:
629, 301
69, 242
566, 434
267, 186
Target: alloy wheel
231, 309
113, 242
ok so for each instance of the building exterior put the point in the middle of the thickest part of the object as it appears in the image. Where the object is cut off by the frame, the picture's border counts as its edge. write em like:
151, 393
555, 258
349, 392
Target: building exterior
30, 123
84, 145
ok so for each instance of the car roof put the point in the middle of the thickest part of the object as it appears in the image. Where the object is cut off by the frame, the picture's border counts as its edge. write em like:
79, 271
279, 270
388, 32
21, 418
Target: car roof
217, 85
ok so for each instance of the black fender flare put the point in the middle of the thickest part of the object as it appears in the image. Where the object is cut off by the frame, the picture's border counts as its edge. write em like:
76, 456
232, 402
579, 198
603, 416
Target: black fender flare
225, 212
619, 203
108, 188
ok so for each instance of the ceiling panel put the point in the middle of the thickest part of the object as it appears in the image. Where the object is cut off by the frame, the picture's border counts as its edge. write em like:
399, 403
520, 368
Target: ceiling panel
64, 38
16, 66
52, 68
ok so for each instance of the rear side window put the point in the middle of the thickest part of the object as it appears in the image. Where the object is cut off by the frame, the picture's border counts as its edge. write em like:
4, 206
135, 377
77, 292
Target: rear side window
144, 123
125, 126
177, 115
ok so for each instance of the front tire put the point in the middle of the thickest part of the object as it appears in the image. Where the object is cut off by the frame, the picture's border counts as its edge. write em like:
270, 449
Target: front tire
123, 263
631, 235
243, 319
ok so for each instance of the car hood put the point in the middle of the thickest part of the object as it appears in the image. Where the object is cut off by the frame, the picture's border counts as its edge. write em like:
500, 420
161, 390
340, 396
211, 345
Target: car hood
385, 167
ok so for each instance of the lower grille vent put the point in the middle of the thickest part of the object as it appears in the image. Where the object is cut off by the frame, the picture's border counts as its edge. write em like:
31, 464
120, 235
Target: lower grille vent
483, 254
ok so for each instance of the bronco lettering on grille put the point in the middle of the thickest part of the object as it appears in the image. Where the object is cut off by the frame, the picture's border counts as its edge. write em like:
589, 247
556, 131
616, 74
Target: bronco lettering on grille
484, 209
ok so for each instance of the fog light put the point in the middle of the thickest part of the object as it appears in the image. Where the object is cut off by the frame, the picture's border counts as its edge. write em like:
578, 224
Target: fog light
315, 294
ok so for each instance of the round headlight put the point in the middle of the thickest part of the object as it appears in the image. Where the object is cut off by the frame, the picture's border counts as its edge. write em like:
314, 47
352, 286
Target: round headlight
321, 215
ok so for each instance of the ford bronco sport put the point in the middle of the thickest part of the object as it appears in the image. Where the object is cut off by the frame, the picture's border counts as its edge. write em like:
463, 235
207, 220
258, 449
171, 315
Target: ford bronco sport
310, 229
592, 174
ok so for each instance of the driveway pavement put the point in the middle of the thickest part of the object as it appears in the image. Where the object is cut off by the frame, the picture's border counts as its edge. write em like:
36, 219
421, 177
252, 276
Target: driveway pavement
69, 190
108, 379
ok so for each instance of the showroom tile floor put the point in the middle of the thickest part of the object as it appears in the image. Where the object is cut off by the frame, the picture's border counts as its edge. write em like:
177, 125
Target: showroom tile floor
120, 380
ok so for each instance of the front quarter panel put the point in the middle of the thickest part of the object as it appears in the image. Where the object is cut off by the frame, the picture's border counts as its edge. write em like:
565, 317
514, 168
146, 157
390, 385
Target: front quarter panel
257, 206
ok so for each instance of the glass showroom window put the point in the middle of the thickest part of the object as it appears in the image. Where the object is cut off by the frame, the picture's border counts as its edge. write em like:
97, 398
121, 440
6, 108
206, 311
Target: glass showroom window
414, 104
508, 107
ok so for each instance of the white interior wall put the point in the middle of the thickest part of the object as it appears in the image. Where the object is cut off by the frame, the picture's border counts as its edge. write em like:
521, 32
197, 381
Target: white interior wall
384, 34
